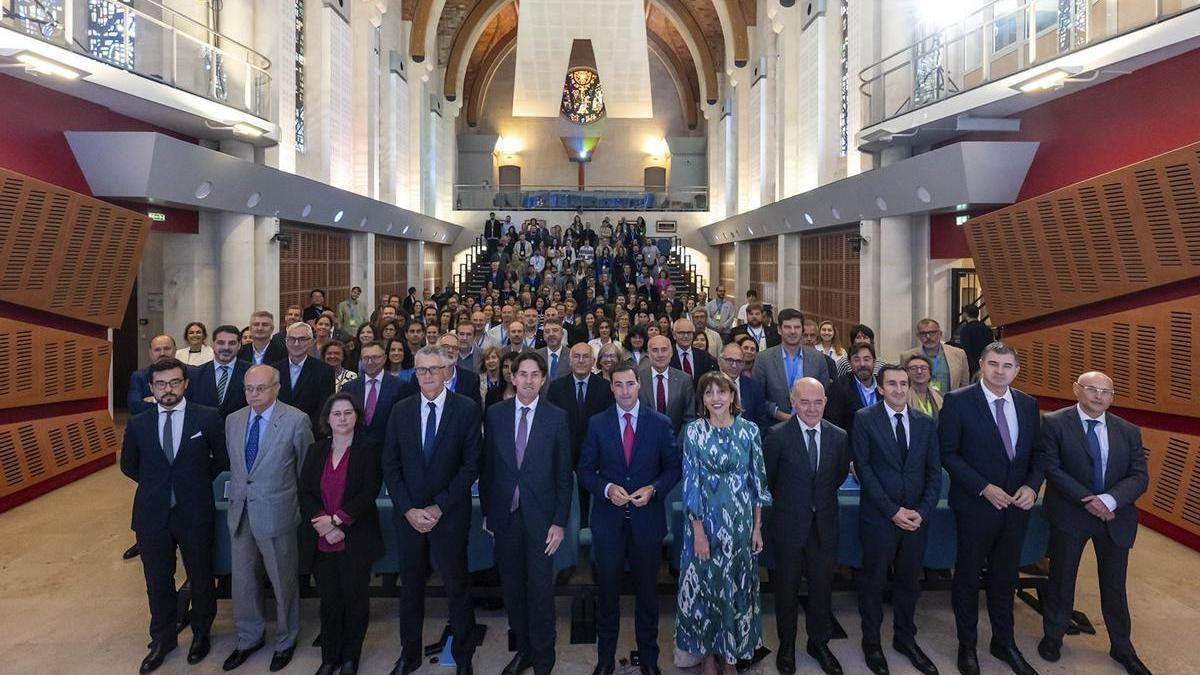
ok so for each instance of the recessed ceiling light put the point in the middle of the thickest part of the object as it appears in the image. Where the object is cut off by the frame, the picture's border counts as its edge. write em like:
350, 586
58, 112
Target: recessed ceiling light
243, 129
40, 64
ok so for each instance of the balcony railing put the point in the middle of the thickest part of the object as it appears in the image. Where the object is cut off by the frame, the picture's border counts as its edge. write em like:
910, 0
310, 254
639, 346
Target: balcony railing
151, 40
570, 197
999, 39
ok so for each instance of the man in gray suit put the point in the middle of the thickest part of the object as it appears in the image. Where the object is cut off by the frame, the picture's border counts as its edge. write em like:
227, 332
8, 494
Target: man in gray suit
668, 390
556, 354
780, 366
267, 441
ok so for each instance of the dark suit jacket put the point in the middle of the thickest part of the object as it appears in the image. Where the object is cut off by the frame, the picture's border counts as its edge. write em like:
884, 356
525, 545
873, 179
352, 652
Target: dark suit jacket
792, 486
1068, 469
313, 387
201, 456
202, 387
702, 362
974, 454
562, 394
544, 477
770, 333
276, 351
139, 389
890, 479
391, 391
754, 404
844, 401
446, 480
364, 541
466, 383
493, 229
655, 461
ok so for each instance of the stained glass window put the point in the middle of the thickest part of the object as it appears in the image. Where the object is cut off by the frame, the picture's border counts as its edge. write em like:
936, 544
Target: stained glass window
39, 17
300, 75
582, 99
111, 32
844, 113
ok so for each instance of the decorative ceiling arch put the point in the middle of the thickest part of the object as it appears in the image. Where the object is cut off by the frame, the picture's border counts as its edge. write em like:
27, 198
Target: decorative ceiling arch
464, 43
738, 29
683, 87
424, 27
478, 83
693, 36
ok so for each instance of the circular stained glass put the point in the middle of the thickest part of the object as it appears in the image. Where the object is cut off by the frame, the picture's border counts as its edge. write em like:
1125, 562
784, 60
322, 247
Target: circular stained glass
582, 99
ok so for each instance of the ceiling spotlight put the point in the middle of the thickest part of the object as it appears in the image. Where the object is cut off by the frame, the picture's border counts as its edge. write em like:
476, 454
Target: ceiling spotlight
39, 64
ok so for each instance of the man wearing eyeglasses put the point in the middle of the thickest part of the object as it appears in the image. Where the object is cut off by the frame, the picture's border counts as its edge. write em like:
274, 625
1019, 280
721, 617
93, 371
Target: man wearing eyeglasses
376, 390
751, 392
949, 368
305, 381
1095, 471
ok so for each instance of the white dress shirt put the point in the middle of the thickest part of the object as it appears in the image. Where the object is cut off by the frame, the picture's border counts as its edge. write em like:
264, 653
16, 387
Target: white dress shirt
903, 412
1102, 434
666, 383
621, 427
439, 405
1010, 411
191, 358
532, 405
176, 425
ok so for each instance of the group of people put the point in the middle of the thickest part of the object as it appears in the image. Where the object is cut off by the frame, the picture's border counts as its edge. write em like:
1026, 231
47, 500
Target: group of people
524, 392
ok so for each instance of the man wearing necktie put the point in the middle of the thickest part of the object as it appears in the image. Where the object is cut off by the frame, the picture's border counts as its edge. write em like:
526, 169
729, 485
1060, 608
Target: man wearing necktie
583, 394
665, 388
428, 468
173, 451
218, 383
1095, 470
693, 363
988, 434
897, 464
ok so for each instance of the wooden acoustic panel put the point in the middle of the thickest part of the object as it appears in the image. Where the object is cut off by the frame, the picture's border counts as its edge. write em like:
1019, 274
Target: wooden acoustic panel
66, 253
45, 365
37, 450
727, 269
1174, 465
764, 270
314, 258
1125, 231
829, 278
433, 266
1150, 352
391, 267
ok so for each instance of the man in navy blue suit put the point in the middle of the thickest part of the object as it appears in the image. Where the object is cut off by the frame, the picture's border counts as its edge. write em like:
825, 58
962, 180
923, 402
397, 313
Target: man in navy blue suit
629, 464
376, 391
751, 393
988, 433
305, 382
525, 488
897, 464
173, 451
219, 383
140, 398
459, 379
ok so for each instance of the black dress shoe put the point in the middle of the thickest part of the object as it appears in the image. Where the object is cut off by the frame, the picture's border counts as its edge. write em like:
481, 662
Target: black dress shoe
517, 665
1133, 665
464, 669
405, 666
349, 668
239, 656
327, 669
876, 661
199, 648
785, 659
158, 653
916, 657
968, 661
1012, 656
280, 659
825, 658
650, 669
603, 669
131, 553
1050, 649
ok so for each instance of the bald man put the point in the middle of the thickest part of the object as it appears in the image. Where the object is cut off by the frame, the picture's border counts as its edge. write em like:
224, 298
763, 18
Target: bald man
139, 398
666, 389
1095, 471
807, 460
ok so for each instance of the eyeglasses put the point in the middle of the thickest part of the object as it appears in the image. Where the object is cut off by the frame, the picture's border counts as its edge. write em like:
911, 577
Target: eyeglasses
734, 363
918, 369
929, 333
259, 389
424, 372
1097, 391
166, 384
297, 340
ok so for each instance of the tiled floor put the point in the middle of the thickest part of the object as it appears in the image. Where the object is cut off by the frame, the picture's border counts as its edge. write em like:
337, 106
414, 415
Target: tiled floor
69, 604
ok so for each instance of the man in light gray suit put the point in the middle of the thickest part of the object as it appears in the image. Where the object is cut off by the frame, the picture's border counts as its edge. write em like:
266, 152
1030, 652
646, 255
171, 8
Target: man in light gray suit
267, 441
668, 390
555, 352
780, 366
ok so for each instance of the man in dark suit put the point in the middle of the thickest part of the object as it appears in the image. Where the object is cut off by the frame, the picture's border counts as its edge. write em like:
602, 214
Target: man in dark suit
665, 389
525, 490
305, 382
629, 464
583, 394
218, 383
492, 231
316, 299
459, 379
376, 391
262, 350
173, 451
897, 464
854, 391
973, 336
555, 351
429, 467
693, 362
988, 433
1095, 470
750, 391
291, 315
780, 366
807, 460
764, 336
140, 397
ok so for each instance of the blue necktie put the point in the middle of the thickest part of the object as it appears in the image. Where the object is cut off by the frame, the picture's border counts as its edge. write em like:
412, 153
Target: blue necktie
252, 443
430, 431
553, 364
579, 394
901, 436
1093, 440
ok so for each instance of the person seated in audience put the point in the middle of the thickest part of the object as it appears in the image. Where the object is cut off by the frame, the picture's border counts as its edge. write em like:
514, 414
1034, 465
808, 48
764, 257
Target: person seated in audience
334, 353
197, 352
921, 396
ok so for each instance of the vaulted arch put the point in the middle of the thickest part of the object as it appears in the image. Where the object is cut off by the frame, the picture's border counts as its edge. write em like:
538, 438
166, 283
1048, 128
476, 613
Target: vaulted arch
476, 88
424, 27
464, 43
678, 72
693, 36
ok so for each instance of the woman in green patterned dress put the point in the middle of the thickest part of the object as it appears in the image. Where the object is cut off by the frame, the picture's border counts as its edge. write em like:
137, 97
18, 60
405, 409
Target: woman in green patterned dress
724, 490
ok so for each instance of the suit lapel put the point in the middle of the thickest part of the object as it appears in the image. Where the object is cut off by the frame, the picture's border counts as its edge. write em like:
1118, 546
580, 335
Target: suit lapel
988, 419
266, 439
440, 435
508, 432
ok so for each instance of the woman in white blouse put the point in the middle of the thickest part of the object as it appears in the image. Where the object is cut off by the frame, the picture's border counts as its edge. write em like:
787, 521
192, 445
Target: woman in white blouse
197, 352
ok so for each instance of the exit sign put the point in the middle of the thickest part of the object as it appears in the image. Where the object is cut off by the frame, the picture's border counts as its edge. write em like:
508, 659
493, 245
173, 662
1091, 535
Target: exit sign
157, 216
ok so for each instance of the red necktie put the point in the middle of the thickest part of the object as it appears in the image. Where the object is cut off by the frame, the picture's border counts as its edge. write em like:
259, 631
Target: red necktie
660, 398
687, 364
372, 399
627, 438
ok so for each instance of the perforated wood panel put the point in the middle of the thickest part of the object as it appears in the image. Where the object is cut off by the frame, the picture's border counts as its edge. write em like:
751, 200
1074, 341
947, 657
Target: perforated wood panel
391, 267
1150, 352
34, 451
43, 365
829, 278
764, 270
1131, 229
727, 267
433, 266
314, 259
66, 253
1174, 466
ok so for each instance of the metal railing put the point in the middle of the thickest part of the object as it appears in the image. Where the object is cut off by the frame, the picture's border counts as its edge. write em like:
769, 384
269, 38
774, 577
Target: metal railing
684, 259
151, 40
474, 197
1000, 38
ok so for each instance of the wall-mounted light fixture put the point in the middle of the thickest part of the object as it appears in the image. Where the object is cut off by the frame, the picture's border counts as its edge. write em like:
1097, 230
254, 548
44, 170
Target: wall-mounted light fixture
42, 65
